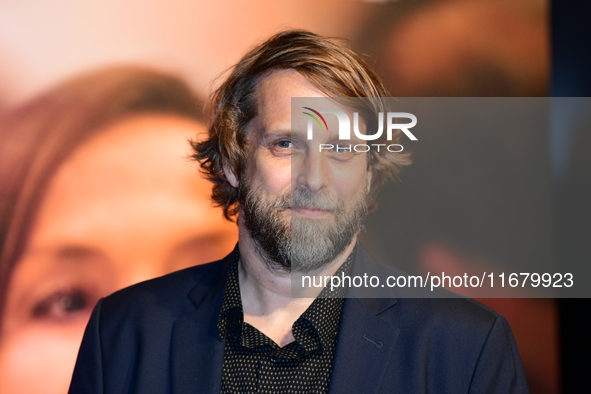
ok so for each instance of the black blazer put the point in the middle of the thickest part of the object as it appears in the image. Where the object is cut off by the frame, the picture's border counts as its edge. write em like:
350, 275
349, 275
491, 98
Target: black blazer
161, 336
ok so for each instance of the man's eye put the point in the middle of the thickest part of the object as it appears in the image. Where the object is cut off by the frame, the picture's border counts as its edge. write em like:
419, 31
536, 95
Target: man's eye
285, 144
342, 152
343, 149
62, 304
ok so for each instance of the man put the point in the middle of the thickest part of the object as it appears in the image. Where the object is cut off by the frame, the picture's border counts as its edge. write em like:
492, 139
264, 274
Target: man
233, 326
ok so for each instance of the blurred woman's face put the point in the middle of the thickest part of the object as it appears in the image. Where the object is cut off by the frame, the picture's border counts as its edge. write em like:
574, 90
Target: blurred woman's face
127, 206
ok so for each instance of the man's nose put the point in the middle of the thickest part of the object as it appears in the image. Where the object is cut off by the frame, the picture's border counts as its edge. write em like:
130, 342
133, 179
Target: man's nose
311, 172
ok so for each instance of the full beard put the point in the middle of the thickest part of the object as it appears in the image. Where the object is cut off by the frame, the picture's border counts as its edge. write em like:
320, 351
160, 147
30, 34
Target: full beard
289, 242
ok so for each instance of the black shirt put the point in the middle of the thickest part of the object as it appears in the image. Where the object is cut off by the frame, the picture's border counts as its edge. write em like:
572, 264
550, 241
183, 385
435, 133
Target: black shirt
254, 363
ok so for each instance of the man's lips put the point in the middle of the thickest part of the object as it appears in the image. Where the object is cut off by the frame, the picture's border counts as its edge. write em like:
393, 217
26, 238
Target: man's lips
312, 212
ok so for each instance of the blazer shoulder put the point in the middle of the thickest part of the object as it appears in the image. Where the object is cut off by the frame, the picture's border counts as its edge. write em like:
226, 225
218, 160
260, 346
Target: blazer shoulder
458, 314
127, 342
165, 295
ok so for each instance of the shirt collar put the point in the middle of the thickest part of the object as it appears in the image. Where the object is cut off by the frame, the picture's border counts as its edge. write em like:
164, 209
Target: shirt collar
312, 330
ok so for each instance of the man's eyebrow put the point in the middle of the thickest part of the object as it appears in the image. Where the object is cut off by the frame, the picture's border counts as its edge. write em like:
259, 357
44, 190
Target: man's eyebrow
276, 133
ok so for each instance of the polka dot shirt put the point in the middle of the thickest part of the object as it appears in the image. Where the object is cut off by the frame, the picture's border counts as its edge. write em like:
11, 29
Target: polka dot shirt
254, 363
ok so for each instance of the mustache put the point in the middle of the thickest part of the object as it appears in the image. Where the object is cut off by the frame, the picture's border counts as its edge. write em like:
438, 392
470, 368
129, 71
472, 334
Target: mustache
306, 199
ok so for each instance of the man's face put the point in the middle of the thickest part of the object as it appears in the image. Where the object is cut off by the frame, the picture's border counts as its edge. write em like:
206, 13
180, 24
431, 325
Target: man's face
302, 207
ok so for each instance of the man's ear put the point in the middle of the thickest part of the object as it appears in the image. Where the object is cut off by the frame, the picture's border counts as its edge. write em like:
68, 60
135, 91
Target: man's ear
230, 176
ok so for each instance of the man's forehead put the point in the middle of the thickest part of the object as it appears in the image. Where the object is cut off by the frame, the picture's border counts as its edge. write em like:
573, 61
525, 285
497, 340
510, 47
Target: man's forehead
276, 113
276, 90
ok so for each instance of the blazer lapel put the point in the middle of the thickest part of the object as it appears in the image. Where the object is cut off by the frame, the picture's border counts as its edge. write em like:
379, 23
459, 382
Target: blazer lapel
197, 351
364, 349
366, 336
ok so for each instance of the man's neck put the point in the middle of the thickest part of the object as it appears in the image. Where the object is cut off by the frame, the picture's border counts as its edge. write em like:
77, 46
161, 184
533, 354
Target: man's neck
266, 294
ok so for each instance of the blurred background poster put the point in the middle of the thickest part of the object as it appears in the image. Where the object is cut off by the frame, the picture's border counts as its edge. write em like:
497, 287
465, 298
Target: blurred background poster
421, 48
